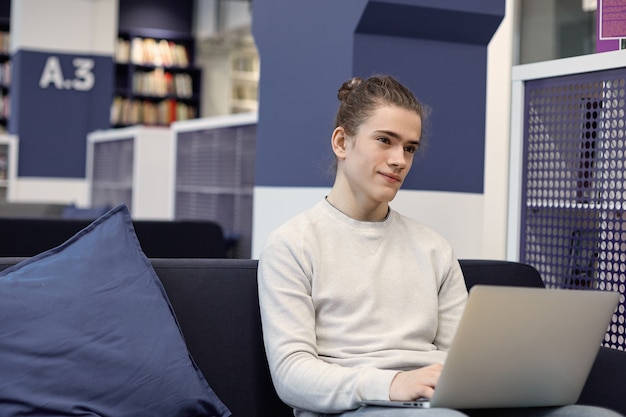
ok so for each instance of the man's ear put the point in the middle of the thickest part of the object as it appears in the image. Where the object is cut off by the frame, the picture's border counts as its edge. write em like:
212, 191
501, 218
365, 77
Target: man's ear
339, 142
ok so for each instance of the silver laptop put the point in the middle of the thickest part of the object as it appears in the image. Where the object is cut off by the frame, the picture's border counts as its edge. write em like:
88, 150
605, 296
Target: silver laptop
522, 347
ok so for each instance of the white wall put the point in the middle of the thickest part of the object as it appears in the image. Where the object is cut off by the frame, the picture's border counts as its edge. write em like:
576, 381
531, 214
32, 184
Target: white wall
49, 190
497, 138
456, 216
73, 26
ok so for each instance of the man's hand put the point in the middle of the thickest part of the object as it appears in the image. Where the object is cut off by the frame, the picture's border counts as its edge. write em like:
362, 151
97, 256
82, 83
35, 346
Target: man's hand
418, 383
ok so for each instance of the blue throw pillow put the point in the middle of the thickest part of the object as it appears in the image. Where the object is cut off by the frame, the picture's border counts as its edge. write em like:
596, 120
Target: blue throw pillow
86, 329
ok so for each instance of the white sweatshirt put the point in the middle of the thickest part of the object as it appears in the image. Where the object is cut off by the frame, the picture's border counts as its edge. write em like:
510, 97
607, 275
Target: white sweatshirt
346, 304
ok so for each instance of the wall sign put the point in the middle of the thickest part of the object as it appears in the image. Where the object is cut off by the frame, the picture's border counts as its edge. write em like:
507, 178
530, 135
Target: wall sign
612, 19
83, 77
56, 100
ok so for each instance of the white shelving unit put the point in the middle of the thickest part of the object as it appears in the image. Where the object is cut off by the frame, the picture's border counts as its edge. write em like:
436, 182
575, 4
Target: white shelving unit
131, 165
231, 68
8, 164
213, 163
245, 81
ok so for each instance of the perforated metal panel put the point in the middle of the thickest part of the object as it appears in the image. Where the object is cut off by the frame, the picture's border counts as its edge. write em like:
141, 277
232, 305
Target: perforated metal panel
574, 218
215, 179
112, 173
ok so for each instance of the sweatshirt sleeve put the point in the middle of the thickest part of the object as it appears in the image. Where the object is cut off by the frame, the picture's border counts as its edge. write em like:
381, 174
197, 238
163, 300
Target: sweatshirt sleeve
452, 298
302, 379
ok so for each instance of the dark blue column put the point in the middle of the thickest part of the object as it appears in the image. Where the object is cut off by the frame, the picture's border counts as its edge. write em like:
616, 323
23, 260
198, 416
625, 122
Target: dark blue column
438, 49
56, 99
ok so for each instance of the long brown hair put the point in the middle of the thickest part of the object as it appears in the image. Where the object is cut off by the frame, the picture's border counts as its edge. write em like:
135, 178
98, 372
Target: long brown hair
359, 98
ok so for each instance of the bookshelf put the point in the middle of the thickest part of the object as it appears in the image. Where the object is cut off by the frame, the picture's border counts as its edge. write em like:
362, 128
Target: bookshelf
5, 74
157, 82
231, 69
8, 161
245, 80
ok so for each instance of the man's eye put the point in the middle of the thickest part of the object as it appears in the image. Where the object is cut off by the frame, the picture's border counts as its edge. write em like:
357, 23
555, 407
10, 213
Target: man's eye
411, 149
384, 139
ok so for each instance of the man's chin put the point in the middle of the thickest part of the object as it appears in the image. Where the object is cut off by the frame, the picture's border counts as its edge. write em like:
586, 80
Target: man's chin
388, 197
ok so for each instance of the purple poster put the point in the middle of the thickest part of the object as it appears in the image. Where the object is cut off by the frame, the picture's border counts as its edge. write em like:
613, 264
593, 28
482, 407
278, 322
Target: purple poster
611, 24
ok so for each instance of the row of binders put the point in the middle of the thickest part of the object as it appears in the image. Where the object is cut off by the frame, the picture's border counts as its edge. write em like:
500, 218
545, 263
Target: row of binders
5, 43
5, 74
5, 108
126, 112
160, 83
149, 51
4, 163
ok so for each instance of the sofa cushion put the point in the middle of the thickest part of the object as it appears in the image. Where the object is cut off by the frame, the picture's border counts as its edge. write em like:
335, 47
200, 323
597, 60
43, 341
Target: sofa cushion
86, 328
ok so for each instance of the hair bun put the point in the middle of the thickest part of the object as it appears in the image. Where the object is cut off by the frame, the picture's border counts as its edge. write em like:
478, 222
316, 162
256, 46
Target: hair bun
347, 87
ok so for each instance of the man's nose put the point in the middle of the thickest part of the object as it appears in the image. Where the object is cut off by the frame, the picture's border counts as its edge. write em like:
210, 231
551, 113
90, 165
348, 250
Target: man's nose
397, 157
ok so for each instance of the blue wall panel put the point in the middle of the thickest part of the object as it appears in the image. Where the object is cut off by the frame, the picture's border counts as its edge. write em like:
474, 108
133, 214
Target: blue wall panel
308, 48
462, 21
452, 158
56, 100
306, 53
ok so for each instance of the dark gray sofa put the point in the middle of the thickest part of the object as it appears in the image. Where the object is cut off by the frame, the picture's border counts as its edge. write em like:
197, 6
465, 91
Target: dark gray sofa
216, 304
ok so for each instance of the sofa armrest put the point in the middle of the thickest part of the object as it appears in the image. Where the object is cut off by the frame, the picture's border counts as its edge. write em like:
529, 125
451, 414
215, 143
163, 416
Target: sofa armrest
494, 272
604, 386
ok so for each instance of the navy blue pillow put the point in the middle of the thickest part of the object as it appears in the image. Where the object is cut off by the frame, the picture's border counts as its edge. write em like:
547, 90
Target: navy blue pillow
86, 329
